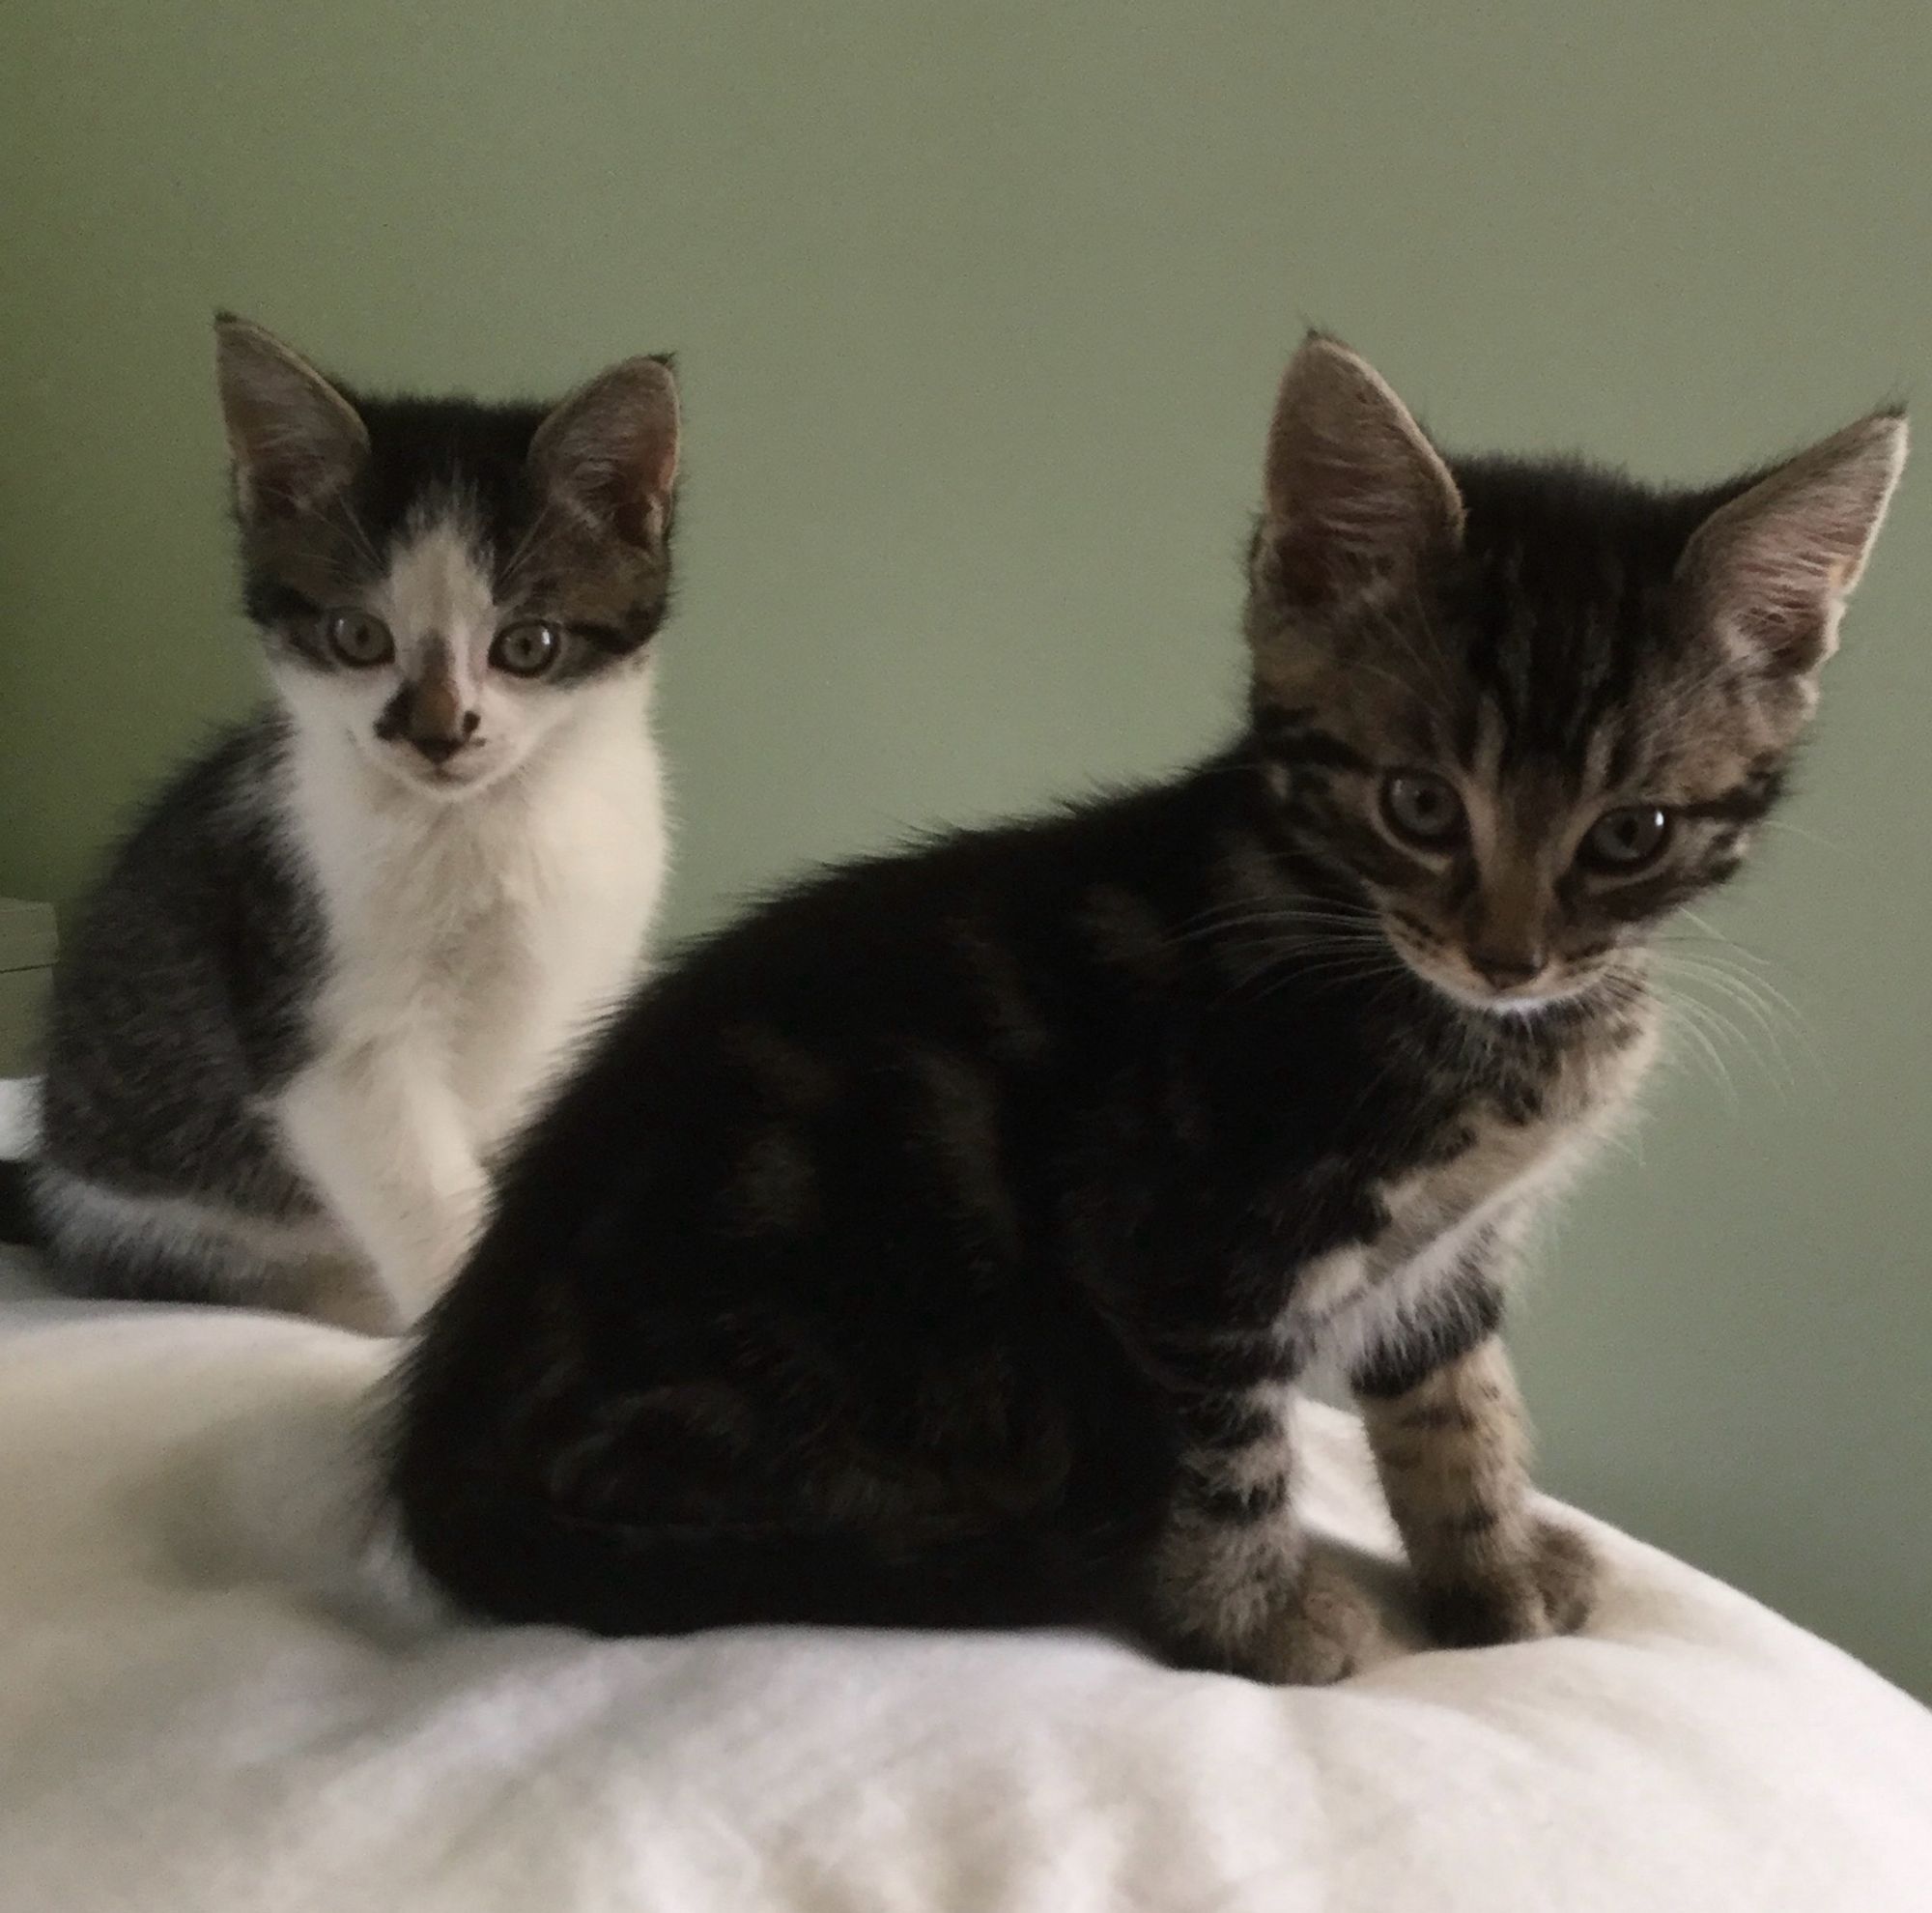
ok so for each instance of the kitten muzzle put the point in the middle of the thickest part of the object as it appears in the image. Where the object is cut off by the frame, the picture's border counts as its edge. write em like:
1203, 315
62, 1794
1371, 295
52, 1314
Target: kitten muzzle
429, 715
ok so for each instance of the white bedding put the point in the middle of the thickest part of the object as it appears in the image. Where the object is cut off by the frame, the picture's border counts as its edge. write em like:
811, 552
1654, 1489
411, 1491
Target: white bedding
193, 1718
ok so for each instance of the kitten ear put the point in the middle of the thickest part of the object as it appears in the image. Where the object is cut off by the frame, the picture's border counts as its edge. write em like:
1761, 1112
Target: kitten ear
1770, 571
1354, 490
294, 438
610, 450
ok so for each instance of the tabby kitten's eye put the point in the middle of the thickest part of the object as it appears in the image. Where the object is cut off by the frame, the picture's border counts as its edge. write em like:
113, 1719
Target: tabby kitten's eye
1626, 839
358, 637
1422, 809
527, 649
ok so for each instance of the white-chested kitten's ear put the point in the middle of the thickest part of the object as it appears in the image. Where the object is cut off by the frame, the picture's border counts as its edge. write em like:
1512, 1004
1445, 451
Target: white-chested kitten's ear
1355, 492
608, 452
294, 438
1769, 571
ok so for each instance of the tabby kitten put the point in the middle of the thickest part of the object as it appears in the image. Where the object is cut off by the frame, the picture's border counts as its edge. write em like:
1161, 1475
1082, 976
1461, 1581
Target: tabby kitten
942, 1243
336, 959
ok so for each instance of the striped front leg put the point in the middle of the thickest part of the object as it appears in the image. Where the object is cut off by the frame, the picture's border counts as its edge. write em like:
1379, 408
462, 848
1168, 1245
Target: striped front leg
1452, 1448
1235, 1586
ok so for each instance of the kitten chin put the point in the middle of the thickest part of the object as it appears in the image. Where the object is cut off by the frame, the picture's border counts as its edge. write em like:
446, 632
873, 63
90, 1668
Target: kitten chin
1563, 990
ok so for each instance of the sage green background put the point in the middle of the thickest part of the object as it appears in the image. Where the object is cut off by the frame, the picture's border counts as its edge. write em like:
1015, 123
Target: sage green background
979, 311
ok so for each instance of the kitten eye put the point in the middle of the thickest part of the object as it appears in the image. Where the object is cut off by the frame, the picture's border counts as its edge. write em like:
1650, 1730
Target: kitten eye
358, 637
1626, 839
527, 649
1423, 808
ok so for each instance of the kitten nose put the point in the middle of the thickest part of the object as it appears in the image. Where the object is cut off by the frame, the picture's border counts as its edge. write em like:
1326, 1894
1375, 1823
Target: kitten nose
428, 711
1506, 969
442, 742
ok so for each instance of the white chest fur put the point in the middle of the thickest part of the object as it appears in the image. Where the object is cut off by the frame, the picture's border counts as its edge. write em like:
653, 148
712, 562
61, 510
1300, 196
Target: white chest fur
1486, 1188
470, 944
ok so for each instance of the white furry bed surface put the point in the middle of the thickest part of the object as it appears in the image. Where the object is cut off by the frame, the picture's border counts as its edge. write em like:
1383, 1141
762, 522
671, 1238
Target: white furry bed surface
195, 1717
186, 1723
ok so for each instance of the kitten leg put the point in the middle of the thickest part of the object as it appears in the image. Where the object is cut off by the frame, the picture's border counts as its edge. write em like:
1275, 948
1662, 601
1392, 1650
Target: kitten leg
1452, 1448
386, 1144
1236, 1585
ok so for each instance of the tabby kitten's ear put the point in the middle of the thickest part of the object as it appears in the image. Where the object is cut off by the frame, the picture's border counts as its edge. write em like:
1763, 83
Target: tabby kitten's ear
1355, 493
294, 438
608, 452
1769, 573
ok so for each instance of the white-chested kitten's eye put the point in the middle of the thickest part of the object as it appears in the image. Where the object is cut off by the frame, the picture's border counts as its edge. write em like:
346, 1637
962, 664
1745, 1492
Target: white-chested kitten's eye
1423, 808
528, 648
1626, 840
358, 637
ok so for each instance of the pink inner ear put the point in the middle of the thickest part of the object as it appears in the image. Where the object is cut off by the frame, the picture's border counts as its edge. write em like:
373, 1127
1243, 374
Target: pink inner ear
613, 447
1783, 596
292, 434
1348, 513
290, 475
638, 488
638, 517
1355, 489
1777, 564
666, 472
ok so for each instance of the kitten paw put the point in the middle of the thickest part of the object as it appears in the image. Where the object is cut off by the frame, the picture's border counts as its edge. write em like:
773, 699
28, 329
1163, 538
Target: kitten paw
1325, 1630
1566, 1570
1549, 1588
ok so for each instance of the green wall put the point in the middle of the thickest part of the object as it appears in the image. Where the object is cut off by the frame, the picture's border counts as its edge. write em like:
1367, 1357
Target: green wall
979, 311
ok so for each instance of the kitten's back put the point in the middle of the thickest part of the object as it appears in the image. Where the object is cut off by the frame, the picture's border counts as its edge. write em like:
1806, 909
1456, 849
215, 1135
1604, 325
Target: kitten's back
180, 995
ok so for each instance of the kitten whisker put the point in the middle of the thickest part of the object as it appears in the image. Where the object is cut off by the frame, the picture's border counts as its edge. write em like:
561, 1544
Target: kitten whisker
1687, 1021
1768, 1008
1817, 838
1715, 935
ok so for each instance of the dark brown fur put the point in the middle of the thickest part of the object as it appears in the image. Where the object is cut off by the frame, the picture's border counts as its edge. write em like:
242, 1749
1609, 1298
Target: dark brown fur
943, 1241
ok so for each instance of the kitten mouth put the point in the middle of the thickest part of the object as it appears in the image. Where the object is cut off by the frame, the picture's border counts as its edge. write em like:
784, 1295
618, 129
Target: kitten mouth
454, 778
1468, 991
1520, 1000
448, 781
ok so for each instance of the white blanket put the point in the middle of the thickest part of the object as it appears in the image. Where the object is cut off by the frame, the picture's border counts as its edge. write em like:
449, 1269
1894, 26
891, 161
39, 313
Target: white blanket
191, 1718
206, 1705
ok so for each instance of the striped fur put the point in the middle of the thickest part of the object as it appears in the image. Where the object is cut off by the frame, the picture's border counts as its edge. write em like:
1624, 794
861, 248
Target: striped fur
943, 1241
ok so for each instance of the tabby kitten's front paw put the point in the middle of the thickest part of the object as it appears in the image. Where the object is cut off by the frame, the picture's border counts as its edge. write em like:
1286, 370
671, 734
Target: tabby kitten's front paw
1322, 1630
1548, 1588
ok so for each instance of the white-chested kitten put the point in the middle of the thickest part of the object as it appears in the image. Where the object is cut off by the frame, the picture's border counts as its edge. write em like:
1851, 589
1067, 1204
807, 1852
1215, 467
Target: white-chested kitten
341, 954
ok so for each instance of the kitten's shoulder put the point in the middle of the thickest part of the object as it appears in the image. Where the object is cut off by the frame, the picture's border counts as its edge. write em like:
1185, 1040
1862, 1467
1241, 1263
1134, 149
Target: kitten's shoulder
207, 859
231, 788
